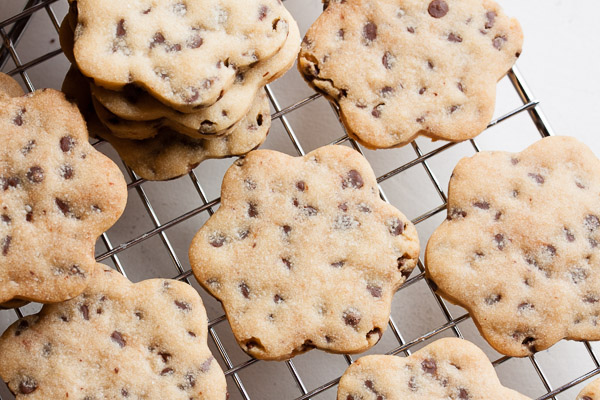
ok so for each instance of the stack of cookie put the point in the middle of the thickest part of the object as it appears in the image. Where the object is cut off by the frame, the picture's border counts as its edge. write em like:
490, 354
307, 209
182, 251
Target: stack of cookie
171, 84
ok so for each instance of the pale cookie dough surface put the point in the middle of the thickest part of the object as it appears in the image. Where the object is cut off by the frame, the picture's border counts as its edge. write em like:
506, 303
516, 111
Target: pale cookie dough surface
402, 68
186, 53
169, 155
57, 195
520, 248
303, 253
446, 369
117, 340
590, 392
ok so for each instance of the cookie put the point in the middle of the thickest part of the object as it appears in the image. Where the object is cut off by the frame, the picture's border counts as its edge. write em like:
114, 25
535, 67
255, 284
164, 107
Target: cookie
57, 195
169, 155
137, 105
402, 68
520, 247
116, 340
186, 53
590, 392
448, 368
303, 253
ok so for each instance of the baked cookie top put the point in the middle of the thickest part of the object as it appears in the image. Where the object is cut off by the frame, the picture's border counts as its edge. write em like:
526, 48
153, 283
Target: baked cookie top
117, 340
303, 253
186, 53
520, 248
57, 195
402, 68
590, 392
446, 369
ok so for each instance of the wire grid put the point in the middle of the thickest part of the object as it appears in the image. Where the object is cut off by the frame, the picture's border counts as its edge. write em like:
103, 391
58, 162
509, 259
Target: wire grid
8, 50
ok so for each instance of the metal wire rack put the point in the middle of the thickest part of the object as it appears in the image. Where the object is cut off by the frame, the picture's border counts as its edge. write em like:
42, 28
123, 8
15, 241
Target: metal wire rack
14, 27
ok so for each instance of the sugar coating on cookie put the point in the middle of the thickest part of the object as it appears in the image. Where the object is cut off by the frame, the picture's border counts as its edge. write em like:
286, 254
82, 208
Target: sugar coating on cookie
116, 340
520, 247
446, 369
590, 392
186, 53
57, 195
402, 68
303, 253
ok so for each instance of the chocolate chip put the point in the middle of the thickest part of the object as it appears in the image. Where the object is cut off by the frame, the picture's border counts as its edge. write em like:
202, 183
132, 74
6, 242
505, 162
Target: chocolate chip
395, 226
460, 87
526, 307
412, 384
28, 147
180, 9
578, 275
353, 180
21, 326
438, 8
175, 47
287, 263
28, 385
370, 31
453, 109
388, 60
338, 264
262, 12
192, 334
85, 311
376, 112
376, 291
484, 205
121, 28
529, 342
47, 350
244, 289
252, 210
18, 120
456, 213
66, 171
499, 41
491, 18
195, 41
301, 186
182, 305
193, 96
500, 241
6, 245
340, 34
309, 211
351, 317
165, 356
67, 143
539, 179
62, 206
277, 299
592, 223
117, 337
463, 394
493, 299
454, 38
205, 366
217, 239
166, 371
591, 299
6, 219
410, 29
429, 366
157, 39
550, 250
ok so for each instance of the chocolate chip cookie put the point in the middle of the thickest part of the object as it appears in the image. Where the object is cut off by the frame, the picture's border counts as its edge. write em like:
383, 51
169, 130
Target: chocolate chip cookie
303, 253
446, 369
57, 195
400, 68
520, 247
117, 340
590, 392
185, 53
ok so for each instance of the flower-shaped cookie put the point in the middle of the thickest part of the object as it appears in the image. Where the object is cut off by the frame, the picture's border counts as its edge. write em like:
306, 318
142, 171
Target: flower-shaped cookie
446, 369
520, 248
402, 68
303, 253
590, 392
117, 340
57, 195
186, 53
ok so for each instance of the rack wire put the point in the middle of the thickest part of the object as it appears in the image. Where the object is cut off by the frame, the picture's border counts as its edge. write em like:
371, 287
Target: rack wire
13, 28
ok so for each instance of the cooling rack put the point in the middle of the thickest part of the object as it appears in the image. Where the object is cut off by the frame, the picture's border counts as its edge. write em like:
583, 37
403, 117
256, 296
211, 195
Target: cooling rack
399, 339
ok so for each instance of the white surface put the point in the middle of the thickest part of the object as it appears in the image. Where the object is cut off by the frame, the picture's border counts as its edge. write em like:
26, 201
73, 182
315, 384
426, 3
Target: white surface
560, 62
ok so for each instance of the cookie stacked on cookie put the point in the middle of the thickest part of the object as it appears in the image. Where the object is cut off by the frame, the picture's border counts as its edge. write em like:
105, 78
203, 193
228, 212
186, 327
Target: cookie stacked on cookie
165, 76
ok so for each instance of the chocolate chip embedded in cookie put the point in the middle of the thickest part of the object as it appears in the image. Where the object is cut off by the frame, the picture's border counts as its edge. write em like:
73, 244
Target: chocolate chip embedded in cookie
446, 369
57, 195
590, 392
117, 339
186, 53
399, 68
303, 253
520, 248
